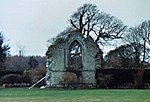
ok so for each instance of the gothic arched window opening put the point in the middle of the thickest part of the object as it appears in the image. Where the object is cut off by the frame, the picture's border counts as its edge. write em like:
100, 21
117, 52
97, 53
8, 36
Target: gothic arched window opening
75, 55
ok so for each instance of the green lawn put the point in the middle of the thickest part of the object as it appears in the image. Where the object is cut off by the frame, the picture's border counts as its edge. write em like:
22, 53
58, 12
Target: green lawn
60, 95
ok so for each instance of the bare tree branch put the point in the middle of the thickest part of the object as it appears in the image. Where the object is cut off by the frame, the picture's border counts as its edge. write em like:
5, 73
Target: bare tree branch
88, 20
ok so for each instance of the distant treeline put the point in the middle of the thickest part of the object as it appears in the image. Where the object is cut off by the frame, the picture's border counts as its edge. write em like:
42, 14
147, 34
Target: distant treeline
21, 63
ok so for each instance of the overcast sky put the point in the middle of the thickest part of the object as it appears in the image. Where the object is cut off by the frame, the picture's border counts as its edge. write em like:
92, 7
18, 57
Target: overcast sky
30, 23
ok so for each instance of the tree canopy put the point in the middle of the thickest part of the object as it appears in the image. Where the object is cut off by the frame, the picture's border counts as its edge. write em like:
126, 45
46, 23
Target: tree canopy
136, 52
89, 20
124, 56
138, 37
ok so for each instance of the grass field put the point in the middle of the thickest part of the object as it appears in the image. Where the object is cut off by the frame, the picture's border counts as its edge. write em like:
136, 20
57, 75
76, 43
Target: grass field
61, 95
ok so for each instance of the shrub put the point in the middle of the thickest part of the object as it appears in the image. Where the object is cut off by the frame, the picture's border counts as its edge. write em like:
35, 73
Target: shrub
15, 79
36, 74
10, 79
69, 80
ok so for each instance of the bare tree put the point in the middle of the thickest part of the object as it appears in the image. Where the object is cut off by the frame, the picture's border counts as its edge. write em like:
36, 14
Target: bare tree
85, 18
88, 20
21, 49
122, 57
144, 28
144, 32
136, 52
134, 38
108, 28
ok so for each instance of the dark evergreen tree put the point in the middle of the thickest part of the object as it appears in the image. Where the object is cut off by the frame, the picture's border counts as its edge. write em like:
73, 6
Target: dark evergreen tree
4, 51
33, 63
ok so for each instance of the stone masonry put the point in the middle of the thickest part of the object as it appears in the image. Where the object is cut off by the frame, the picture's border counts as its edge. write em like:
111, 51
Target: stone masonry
73, 51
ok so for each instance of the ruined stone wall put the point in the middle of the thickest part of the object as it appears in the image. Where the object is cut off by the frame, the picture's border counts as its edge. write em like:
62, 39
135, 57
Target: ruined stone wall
90, 51
55, 67
88, 76
58, 58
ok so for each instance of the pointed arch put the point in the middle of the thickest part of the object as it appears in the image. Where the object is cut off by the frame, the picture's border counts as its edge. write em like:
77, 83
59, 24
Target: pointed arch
75, 55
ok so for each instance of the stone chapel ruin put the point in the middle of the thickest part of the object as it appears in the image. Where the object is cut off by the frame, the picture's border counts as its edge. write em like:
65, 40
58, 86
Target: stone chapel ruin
74, 52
